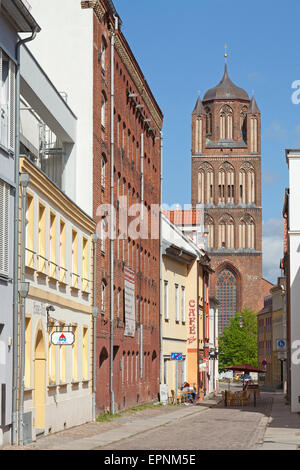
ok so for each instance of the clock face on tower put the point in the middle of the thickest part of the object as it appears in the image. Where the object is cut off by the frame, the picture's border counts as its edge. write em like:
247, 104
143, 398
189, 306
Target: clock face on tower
226, 181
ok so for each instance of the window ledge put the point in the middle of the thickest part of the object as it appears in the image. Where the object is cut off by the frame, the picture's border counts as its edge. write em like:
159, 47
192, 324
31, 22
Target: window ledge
85, 380
75, 382
63, 384
52, 385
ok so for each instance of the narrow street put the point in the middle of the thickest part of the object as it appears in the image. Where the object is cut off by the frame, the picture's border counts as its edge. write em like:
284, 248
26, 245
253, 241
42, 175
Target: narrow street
206, 426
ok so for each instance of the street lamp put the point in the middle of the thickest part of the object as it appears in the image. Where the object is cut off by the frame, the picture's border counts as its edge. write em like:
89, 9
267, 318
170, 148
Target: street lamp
50, 308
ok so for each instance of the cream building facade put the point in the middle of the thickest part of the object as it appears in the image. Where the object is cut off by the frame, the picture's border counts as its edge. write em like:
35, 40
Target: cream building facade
56, 260
182, 291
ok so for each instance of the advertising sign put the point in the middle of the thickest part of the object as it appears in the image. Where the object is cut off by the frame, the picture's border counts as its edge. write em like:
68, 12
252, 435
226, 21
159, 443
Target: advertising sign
59, 338
192, 323
129, 288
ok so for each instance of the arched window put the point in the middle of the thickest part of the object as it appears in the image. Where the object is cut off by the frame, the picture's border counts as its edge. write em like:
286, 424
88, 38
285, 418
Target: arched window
103, 169
103, 109
226, 232
242, 186
226, 123
243, 123
222, 185
247, 184
205, 183
103, 54
253, 140
103, 295
247, 232
198, 135
209, 225
208, 121
226, 295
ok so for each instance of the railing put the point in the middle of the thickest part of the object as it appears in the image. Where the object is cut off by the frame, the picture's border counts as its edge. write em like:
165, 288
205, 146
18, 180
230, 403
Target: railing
85, 284
42, 264
53, 270
63, 275
75, 280
30, 258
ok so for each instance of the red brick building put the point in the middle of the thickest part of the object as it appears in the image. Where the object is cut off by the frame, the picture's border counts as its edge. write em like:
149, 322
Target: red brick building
226, 179
129, 143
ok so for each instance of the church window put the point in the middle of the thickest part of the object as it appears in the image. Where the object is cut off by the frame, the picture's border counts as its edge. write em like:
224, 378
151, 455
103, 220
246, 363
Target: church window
226, 295
226, 123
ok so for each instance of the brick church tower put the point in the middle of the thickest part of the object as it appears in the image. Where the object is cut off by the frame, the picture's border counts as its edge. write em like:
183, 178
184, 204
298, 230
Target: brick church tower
226, 179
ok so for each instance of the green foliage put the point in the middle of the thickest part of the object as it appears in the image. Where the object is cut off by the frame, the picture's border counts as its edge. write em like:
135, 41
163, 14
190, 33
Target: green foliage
238, 343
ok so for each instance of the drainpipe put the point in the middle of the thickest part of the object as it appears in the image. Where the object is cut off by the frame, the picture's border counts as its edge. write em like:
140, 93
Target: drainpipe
24, 181
16, 239
95, 310
160, 254
112, 91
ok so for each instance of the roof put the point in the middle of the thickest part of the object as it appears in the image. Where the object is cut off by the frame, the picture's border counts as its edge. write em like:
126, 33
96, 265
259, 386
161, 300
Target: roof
20, 16
253, 108
199, 108
226, 90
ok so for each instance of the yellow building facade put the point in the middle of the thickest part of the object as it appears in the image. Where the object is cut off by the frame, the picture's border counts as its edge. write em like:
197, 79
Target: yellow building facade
56, 261
182, 308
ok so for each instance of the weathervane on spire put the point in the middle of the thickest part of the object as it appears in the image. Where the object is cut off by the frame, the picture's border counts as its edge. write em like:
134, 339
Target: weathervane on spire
226, 55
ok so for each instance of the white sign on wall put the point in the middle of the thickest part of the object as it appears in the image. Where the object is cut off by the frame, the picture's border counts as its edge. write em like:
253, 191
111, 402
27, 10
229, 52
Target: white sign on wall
129, 287
59, 338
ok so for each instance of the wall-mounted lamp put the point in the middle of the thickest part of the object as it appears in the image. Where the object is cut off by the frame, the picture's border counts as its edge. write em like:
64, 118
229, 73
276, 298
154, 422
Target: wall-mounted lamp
24, 289
24, 180
50, 308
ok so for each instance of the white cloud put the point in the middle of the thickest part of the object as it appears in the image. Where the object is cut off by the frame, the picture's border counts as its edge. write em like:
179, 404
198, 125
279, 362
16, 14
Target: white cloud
272, 248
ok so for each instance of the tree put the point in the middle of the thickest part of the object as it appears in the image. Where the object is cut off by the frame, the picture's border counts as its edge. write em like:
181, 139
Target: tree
238, 343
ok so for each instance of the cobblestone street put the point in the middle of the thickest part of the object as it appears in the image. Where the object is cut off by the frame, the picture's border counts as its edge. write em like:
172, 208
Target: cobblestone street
214, 428
208, 425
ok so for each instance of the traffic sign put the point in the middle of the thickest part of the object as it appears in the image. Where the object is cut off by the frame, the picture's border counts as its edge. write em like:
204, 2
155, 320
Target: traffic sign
176, 356
281, 343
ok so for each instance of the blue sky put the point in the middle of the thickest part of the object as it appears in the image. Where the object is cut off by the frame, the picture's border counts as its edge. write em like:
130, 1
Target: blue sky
180, 48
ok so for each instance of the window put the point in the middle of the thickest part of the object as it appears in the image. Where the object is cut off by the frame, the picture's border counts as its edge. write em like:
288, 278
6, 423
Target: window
7, 101
103, 170
183, 304
42, 239
104, 225
74, 353
103, 109
103, 294
85, 353
103, 54
226, 127
29, 232
52, 255
62, 252
166, 302
74, 259
85, 265
4, 228
177, 302
226, 295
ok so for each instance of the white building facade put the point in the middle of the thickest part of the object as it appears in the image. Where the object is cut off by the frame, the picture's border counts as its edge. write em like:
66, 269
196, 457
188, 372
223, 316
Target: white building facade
293, 161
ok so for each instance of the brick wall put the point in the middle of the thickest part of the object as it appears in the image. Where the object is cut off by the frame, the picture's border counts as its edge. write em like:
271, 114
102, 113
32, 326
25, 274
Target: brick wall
142, 256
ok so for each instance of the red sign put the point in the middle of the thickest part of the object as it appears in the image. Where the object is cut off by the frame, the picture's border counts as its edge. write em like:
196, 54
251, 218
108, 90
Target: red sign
192, 336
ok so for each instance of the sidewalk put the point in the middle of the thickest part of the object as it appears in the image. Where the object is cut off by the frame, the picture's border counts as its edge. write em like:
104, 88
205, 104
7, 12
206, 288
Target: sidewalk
283, 427
96, 435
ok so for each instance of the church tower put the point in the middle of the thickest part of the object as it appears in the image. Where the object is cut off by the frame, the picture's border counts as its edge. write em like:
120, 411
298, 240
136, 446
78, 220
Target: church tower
226, 179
